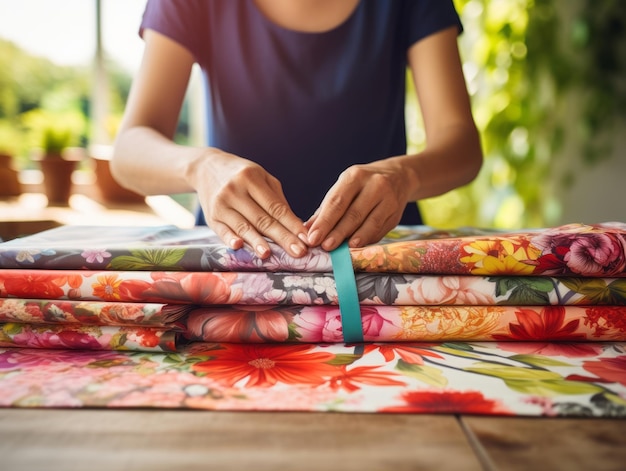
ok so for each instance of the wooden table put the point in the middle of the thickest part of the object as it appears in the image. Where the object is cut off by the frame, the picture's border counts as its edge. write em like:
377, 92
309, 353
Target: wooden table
30, 213
36, 439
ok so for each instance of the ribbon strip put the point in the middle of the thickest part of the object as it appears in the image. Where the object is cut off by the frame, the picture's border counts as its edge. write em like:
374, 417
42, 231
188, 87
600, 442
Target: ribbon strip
347, 294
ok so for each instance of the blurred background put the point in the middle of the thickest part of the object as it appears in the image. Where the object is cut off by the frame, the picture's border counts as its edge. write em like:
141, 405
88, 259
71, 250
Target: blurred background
547, 80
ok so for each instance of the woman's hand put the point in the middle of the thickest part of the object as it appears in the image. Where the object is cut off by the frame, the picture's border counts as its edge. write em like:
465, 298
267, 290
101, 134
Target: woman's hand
243, 203
365, 203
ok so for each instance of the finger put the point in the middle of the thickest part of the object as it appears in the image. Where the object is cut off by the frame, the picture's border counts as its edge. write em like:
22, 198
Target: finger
275, 204
309, 222
332, 209
370, 214
259, 222
239, 211
275, 219
378, 223
351, 220
233, 224
227, 236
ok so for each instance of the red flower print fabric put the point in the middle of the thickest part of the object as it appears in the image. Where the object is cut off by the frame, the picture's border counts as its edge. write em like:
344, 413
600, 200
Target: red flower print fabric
438, 378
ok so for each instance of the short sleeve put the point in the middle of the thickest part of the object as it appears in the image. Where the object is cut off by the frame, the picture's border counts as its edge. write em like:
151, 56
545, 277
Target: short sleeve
426, 17
176, 19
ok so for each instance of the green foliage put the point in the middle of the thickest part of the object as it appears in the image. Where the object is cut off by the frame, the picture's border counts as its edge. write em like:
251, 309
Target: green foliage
9, 139
52, 131
600, 30
55, 141
541, 73
46, 106
41, 103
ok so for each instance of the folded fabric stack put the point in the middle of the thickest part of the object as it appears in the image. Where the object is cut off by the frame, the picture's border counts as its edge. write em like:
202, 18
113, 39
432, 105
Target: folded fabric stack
552, 292
156, 288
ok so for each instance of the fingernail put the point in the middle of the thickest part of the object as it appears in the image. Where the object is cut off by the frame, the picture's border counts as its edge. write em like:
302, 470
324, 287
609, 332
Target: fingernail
314, 237
262, 251
329, 243
296, 249
355, 242
302, 236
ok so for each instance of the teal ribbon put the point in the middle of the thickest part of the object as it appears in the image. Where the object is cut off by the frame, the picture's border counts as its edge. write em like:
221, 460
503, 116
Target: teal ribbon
347, 293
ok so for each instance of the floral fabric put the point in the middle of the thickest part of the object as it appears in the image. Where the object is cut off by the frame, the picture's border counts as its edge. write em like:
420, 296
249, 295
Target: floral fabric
210, 288
303, 324
508, 378
322, 324
88, 337
520, 323
58, 311
573, 250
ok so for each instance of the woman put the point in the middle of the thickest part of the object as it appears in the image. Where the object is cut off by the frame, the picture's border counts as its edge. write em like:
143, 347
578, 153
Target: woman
305, 101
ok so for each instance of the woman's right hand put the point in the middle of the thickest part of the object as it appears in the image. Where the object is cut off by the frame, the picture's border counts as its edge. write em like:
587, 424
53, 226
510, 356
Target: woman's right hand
243, 203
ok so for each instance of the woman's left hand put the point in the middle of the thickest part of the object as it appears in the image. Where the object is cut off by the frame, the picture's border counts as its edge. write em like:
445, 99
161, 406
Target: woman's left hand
365, 203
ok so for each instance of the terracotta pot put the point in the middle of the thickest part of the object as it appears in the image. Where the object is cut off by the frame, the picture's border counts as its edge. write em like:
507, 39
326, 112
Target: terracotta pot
57, 179
110, 190
9, 181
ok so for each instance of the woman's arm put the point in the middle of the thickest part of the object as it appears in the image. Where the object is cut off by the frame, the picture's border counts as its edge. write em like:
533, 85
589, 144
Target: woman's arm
368, 200
453, 154
241, 201
145, 157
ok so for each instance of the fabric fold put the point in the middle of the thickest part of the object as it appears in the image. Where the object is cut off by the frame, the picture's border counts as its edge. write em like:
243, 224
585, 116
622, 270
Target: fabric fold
596, 250
89, 337
308, 324
59, 311
397, 324
285, 288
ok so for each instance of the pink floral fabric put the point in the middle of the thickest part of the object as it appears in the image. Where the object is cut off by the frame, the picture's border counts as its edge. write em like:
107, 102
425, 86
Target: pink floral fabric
495, 378
322, 324
88, 337
110, 323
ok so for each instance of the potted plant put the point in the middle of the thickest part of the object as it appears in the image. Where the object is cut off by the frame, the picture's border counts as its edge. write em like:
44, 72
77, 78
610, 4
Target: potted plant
9, 182
10, 185
56, 168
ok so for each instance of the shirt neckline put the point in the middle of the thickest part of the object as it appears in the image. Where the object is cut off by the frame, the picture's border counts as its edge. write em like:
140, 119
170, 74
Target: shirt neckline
276, 26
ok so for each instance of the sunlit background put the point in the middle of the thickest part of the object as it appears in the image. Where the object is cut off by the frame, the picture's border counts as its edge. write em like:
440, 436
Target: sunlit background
547, 79
64, 31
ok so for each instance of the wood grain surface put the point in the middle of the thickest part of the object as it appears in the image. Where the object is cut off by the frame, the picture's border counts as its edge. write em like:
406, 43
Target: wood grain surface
90, 440
550, 444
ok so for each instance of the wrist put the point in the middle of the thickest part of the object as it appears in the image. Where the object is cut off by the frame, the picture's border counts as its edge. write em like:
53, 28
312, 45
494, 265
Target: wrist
201, 165
407, 169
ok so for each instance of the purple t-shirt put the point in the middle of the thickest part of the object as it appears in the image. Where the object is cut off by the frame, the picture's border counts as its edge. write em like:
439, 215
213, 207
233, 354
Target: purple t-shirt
305, 106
